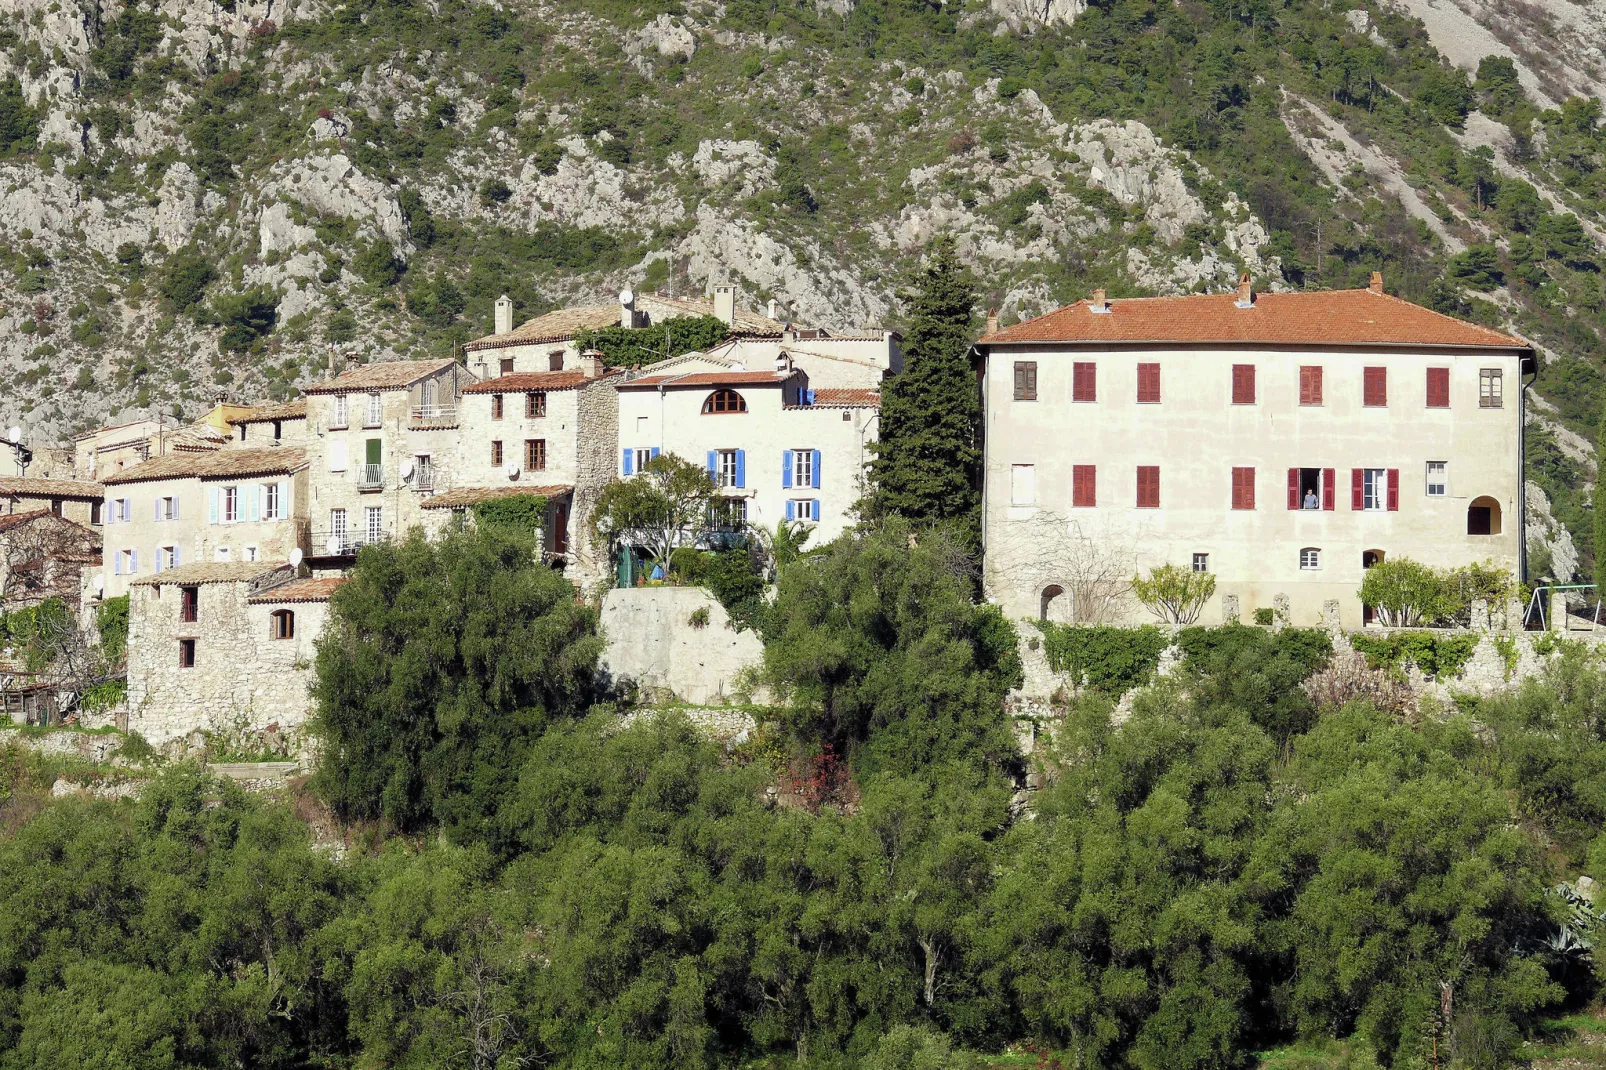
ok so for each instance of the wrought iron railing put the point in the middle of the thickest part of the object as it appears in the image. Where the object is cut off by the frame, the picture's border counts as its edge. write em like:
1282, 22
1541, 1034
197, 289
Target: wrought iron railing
370, 477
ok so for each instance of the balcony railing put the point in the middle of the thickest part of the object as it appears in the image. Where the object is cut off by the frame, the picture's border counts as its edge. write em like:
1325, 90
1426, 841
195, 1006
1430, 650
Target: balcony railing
421, 413
370, 477
424, 481
345, 543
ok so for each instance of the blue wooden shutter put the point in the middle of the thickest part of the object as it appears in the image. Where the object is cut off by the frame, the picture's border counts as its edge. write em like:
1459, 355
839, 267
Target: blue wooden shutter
133, 562
211, 498
791, 510
713, 465
177, 555
786, 474
284, 498
741, 468
816, 482
630, 457
654, 455
158, 504
117, 564
175, 510
158, 559
257, 493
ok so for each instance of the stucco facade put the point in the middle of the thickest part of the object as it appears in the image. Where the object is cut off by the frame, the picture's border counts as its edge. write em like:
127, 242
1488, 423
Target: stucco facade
775, 451
234, 505
1110, 456
225, 649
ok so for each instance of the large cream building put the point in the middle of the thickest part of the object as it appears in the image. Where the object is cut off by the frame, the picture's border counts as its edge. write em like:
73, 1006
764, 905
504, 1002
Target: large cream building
1282, 442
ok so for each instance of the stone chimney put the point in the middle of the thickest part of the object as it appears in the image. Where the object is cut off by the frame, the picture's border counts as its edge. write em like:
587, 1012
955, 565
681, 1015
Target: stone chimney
783, 362
1100, 302
775, 307
1377, 282
725, 304
591, 364
504, 314
1246, 291
992, 321
334, 361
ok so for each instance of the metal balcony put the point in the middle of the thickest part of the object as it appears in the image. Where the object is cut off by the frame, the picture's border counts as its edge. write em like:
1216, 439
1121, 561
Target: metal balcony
370, 477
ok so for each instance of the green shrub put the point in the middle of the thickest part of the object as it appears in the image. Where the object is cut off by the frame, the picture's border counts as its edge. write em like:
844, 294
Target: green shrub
521, 513
1265, 616
1436, 655
1407, 593
1175, 595
1111, 659
185, 277
1257, 671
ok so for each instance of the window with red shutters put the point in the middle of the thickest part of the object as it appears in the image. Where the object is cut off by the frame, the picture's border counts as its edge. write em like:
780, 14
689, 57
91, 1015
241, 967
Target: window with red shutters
1148, 486
1148, 384
1375, 387
1293, 488
1310, 384
1084, 381
1394, 490
1438, 388
1243, 384
1329, 489
1084, 486
1357, 489
1243, 488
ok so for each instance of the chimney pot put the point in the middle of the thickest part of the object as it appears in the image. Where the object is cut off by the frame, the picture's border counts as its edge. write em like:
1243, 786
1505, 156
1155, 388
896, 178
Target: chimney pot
992, 321
1100, 302
1246, 291
1377, 282
504, 314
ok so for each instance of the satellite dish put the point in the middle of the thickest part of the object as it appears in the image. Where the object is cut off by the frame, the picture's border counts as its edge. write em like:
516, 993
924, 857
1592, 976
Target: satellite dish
626, 297
334, 546
100, 584
512, 471
407, 470
14, 435
295, 557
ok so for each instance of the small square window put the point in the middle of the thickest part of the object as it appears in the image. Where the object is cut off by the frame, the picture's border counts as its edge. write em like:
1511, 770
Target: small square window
1438, 479
1374, 488
1201, 562
1022, 484
1310, 558
496, 406
1491, 389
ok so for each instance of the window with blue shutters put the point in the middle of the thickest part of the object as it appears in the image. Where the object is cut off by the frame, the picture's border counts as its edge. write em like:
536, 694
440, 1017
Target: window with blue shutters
801, 468
728, 467
803, 509
786, 476
630, 462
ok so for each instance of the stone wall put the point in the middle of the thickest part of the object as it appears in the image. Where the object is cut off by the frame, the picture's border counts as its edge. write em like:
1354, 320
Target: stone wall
652, 643
598, 463
243, 682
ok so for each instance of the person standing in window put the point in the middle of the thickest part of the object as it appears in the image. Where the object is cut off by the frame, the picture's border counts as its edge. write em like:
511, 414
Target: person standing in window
1311, 501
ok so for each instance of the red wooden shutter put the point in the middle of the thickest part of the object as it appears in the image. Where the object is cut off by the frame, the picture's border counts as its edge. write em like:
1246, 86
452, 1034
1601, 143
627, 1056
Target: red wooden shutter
1357, 499
1148, 383
1243, 384
1394, 490
1148, 486
1310, 384
1293, 488
1084, 381
1329, 489
1438, 388
1375, 387
1084, 486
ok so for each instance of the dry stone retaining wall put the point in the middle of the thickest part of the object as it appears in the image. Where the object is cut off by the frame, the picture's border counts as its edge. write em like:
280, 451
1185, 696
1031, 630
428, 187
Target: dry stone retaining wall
652, 642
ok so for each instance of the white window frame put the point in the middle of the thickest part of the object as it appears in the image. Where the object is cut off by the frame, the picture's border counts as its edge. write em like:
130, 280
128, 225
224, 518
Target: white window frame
229, 505
342, 413
640, 455
1374, 489
168, 512
1441, 488
375, 414
803, 468
1310, 559
726, 461
806, 509
271, 506
337, 525
373, 523
1201, 562
128, 562
167, 557
248, 553
220, 554
1023, 484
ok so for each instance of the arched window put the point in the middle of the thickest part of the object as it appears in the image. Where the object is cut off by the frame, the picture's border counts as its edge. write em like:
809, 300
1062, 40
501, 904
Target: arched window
1371, 557
1483, 516
1310, 558
283, 624
1053, 604
725, 401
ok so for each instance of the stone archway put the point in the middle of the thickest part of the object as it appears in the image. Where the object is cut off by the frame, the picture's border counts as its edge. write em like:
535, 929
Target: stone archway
1054, 605
1483, 516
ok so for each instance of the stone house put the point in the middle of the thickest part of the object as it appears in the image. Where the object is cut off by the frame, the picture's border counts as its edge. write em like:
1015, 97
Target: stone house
232, 505
380, 441
1284, 442
272, 425
547, 342
552, 432
778, 448
111, 449
76, 500
223, 647
44, 555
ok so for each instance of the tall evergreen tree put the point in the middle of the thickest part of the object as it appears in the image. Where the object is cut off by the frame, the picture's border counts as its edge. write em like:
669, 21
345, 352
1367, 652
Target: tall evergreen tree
927, 464
1595, 497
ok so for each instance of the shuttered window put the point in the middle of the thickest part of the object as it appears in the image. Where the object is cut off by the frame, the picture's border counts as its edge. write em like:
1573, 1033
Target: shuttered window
1148, 486
1438, 388
1375, 387
1148, 384
1025, 380
1084, 486
1243, 384
1243, 488
1084, 381
1310, 384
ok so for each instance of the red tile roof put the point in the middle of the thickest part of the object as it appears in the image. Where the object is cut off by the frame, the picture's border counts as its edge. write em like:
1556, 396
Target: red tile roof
840, 397
289, 410
313, 590
218, 464
758, 378
512, 384
1325, 318
12, 520
381, 375
35, 487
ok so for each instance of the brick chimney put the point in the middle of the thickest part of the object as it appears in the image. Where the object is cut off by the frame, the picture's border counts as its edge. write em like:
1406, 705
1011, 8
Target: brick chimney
504, 314
992, 321
1246, 291
725, 305
1100, 302
1377, 282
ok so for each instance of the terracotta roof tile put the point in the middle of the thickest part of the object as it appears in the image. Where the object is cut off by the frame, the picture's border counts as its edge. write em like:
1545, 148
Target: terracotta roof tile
289, 410
1326, 318
211, 572
511, 384
381, 375
219, 464
757, 378
49, 488
838, 397
15, 520
310, 590
463, 497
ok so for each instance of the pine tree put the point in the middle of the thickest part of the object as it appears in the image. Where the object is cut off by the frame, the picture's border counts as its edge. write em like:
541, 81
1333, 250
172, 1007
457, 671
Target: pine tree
1600, 507
927, 463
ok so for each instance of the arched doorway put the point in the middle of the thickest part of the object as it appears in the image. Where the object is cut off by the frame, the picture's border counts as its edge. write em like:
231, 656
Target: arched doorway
1483, 516
1368, 559
1053, 605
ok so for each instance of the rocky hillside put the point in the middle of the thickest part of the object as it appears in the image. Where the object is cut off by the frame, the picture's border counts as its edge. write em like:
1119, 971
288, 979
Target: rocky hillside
202, 198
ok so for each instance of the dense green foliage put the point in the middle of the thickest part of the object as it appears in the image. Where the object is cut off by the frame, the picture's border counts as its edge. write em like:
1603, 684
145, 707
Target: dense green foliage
1255, 671
521, 513
926, 462
1434, 653
1108, 658
630, 347
1408, 593
111, 620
